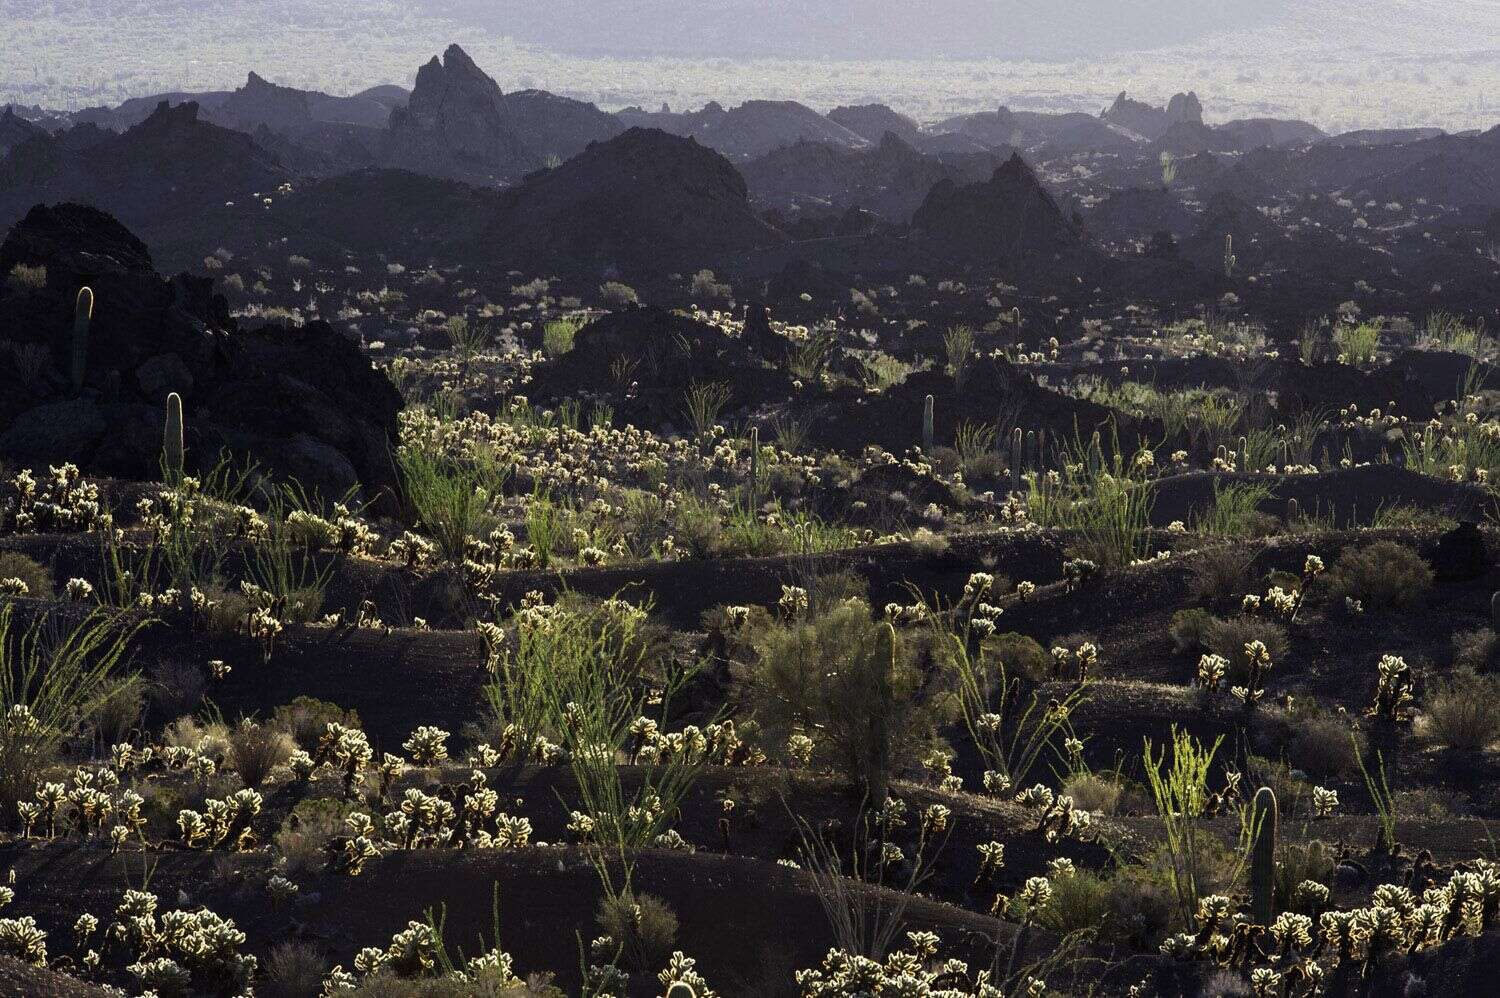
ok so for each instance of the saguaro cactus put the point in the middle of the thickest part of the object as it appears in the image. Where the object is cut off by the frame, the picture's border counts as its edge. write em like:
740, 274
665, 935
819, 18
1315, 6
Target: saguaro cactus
1495, 612
927, 428
1229, 258
1292, 510
754, 466
883, 663
1016, 459
681, 990
83, 314
1263, 816
171, 440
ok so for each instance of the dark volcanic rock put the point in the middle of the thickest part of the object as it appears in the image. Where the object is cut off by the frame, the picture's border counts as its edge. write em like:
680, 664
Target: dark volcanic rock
303, 402
1461, 554
643, 200
1006, 218
666, 353
453, 126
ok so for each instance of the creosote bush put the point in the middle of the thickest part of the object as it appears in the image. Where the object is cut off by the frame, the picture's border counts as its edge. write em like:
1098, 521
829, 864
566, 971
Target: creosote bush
642, 925
1379, 575
850, 682
1463, 713
34, 575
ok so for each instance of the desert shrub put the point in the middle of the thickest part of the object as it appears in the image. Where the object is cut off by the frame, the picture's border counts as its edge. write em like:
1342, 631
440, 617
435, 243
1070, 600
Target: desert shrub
176, 687
449, 498
1021, 656
850, 683
1229, 637
15, 565
1220, 574
1382, 574
209, 738
120, 710
1297, 862
1463, 712
707, 286
295, 969
617, 295
1093, 792
302, 841
24, 278
1476, 651
642, 925
306, 718
53, 680
558, 336
1189, 630
1141, 907
1293, 795
1321, 744
1080, 900
257, 749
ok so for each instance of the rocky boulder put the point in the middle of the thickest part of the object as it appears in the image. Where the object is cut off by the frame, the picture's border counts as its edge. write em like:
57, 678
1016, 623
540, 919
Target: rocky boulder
1006, 218
301, 402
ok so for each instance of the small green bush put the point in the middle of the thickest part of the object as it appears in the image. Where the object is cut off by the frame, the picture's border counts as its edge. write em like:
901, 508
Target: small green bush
1321, 744
1229, 637
1379, 575
1189, 630
306, 718
1021, 656
644, 927
1463, 713
1476, 651
15, 565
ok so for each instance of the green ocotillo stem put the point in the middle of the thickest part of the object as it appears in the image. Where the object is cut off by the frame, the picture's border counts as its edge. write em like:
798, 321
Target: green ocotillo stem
171, 442
83, 313
927, 430
1263, 857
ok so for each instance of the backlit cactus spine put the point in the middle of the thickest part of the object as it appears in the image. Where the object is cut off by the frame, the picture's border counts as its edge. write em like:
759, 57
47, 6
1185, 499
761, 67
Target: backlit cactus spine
83, 314
171, 442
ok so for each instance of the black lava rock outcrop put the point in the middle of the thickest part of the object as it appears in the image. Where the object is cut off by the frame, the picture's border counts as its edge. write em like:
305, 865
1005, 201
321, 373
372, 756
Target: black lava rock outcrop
302, 402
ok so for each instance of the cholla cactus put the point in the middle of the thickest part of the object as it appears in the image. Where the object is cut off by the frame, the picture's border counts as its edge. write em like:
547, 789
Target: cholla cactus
78, 590
793, 601
22, 940
1259, 659
347, 748
1324, 802
1212, 669
1394, 690
427, 746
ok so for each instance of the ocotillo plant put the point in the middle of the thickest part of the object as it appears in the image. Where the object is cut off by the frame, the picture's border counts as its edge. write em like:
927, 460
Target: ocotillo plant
927, 430
83, 314
171, 440
1263, 817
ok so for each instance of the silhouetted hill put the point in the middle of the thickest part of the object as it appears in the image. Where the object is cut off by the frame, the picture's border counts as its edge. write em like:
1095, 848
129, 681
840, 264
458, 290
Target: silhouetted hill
642, 199
1004, 219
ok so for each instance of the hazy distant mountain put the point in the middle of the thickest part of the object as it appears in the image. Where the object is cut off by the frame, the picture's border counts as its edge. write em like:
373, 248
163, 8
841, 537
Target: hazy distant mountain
752, 129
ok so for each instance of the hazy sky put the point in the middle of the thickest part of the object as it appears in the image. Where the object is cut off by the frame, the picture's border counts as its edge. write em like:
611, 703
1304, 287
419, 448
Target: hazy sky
1339, 63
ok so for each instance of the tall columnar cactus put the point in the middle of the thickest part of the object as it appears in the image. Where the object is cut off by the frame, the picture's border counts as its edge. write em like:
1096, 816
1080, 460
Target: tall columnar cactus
1017, 438
1229, 258
754, 466
883, 663
1495, 612
1292, 511
83, 314
171, 440
681, 990
1263, 816
927, 428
